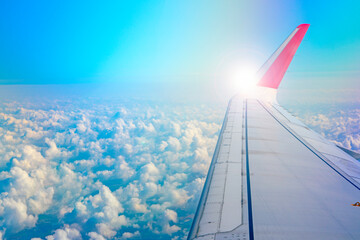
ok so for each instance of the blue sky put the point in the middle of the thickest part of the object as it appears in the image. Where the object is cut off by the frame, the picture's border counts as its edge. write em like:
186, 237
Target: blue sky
46, 42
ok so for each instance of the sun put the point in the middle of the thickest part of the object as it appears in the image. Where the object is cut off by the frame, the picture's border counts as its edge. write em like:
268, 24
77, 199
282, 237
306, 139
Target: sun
244, 79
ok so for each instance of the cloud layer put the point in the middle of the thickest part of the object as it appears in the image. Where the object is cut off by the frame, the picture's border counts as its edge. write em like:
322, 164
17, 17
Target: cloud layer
101, 169
340, 126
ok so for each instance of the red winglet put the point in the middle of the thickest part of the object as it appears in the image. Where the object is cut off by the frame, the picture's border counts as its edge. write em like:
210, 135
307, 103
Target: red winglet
279, 62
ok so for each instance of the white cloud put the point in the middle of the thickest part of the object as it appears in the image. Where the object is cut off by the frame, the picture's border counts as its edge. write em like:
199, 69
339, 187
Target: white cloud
53, 152
105, 230
106, 208
177, 129
66, 233
174, 144
129, 235
150, 173
64, 210
111, 173
171, 215
339, 126
163, 145
122, 168
170, 229
128, 148
15, 214
138, 206
95, 236
107, 161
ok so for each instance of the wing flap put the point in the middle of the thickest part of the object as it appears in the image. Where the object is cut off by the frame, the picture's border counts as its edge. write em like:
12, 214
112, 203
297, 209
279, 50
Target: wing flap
221, 208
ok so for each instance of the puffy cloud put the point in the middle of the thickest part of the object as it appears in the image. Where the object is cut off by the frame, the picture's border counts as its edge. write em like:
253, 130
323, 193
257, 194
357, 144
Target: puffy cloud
64, 210
342, 127
150, 189
114, 168
15, 214
203, 159
105, 230
177, 129
170, 229
104, 207
66, 233
147, 128
174, 144
95, 236
129, 235
150, 173
176, 196
128, 148
138, 206
171, 215
30, 192
163, 146
107, 161
53, 152
122, 169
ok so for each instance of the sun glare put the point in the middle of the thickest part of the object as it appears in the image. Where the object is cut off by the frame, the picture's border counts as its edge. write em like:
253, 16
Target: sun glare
244, 79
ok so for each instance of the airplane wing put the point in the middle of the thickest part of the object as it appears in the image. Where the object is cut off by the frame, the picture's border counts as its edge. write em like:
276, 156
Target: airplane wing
271, 177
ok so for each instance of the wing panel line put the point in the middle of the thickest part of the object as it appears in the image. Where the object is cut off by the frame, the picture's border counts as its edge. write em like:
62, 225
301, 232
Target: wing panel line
251, 227
306, 145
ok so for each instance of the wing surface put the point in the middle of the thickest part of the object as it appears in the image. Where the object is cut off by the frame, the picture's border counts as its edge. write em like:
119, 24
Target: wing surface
271, 177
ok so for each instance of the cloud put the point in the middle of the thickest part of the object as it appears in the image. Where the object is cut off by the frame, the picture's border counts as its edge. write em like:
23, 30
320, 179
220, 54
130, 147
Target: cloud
104, 169
106, 209
170, 229
149, 173
171, 215
95, 236
129, 235
15, 215
138, 206
54, 153
174, 144
342, 127
105, 230
163, 146
30, 190
122, 169
65, 233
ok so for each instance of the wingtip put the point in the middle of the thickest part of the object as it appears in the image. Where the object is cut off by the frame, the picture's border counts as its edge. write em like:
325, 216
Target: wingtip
304, 25
273, 71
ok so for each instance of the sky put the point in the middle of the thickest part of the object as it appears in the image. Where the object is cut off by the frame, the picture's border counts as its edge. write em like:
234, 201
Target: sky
110, 112
174, 42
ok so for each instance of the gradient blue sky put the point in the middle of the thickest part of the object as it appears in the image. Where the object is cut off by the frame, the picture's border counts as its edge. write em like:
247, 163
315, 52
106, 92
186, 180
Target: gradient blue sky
128, 41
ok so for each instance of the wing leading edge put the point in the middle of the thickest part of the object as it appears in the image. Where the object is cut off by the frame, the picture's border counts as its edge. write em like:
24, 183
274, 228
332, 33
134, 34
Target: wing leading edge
271, 177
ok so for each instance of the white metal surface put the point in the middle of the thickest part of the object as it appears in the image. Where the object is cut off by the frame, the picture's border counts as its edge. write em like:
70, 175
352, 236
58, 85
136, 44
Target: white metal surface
221, 210
302, 185
346, 163
296, 194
